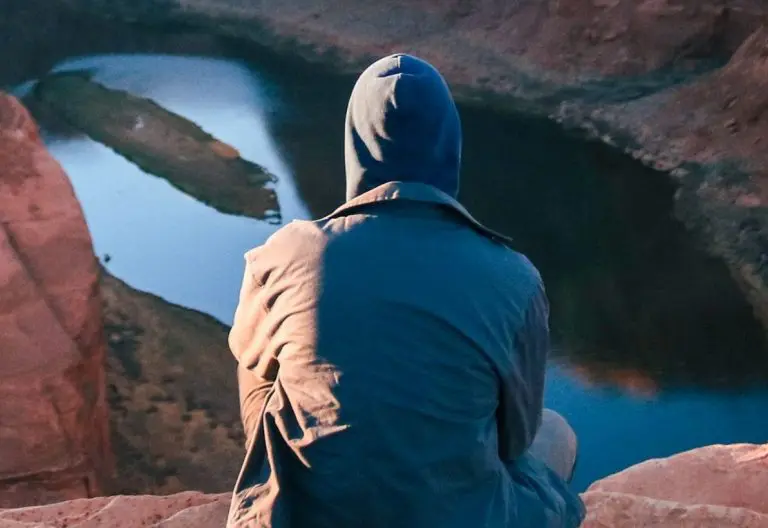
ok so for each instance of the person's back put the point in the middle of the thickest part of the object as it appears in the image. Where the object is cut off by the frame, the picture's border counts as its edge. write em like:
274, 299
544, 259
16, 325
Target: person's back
392, 355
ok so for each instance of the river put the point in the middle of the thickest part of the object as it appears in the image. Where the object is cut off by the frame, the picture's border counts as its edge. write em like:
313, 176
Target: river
655, 350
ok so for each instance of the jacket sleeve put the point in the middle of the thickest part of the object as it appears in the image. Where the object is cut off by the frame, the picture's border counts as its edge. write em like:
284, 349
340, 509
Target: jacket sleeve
522, 387
248, 315
257, 370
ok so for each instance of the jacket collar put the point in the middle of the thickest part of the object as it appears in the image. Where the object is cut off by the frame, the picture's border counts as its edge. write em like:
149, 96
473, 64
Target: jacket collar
416, 192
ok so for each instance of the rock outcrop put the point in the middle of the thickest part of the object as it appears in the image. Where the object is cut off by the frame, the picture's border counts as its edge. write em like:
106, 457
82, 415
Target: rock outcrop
184, 510
675, 83
54, 442
711, 487
716, 486
170, 380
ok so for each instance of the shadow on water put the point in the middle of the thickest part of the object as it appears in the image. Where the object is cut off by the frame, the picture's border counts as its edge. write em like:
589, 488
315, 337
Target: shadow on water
656, 350
307, 115
629, 286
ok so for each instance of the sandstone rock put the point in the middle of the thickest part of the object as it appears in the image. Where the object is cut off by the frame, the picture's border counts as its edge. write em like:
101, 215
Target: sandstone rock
37, 34
726, 111
479, 38
717, 486
53, 423
711, 487
184, 510
618, 510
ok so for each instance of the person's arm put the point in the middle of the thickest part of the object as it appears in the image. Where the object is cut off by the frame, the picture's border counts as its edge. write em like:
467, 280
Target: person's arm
246, 340
256, 371
522, 387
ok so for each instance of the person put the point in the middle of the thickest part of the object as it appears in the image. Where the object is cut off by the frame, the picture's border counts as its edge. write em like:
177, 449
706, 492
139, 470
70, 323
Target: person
391, 356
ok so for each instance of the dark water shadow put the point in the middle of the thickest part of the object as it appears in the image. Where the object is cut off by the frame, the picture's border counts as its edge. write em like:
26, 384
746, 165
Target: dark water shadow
631, 290
307, 119
630, 287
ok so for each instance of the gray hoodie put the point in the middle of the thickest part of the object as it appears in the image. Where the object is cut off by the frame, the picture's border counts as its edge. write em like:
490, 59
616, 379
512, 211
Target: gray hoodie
392, 355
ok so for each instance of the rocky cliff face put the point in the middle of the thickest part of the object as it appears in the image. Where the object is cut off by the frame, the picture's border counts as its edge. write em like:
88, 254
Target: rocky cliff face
675, 83
169, 378
54, 441
718, 486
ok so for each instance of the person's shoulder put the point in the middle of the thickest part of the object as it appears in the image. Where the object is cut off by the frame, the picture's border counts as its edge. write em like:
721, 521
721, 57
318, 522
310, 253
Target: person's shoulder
505, 254
296, 229
511, 266
295, 236
524, 262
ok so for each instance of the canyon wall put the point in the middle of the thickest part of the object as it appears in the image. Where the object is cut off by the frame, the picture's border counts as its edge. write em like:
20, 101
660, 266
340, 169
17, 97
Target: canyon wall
54, 441
678, 84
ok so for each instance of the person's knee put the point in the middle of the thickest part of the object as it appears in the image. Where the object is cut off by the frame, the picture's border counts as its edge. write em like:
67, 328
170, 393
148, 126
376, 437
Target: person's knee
555, 444
558, 426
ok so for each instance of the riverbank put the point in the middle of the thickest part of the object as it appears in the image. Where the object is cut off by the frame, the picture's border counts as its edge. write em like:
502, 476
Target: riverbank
677, 86
172, 394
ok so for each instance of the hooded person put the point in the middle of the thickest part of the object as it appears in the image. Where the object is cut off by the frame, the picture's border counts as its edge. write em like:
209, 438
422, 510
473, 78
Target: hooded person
391, 356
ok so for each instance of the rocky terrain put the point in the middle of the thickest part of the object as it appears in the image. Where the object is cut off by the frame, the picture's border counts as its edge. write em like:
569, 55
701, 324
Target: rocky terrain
715, 486
183, 510
675, 83
172, 392
54, 441
711, 487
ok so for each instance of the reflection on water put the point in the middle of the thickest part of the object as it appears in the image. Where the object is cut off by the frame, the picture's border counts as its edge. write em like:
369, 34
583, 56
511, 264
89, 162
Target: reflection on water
655, 346
617, 429
161, 240
160, 142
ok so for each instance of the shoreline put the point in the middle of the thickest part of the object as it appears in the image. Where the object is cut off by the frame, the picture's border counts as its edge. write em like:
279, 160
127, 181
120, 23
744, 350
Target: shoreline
658, 115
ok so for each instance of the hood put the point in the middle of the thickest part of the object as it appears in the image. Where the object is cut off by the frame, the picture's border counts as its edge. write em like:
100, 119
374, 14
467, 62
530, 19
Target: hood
402, 125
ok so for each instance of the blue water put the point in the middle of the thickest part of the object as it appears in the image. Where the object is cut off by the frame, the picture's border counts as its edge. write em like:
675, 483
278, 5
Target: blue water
654, 343
159, 239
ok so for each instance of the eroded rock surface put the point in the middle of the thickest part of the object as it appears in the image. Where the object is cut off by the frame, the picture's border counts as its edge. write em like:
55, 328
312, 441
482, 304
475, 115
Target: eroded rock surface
54, 442
183, 510
712, 487
172, 388
717, 486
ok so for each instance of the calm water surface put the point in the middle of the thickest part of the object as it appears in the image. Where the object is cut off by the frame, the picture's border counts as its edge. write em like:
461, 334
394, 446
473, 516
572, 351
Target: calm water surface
655, 350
